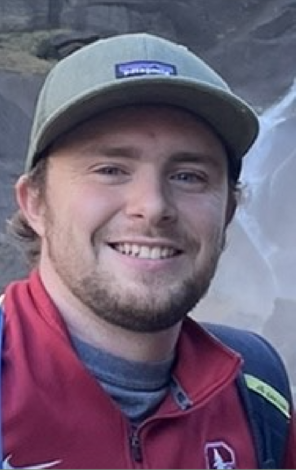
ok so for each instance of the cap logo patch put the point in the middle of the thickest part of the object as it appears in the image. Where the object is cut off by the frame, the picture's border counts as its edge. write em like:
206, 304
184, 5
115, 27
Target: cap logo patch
144, 67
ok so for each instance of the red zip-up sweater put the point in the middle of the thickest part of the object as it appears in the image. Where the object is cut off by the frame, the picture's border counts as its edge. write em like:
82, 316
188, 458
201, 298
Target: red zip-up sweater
56, 415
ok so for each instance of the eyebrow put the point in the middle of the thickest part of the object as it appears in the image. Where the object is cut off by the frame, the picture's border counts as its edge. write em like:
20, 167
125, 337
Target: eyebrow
129, 152
196, 157
124, 152
112, 151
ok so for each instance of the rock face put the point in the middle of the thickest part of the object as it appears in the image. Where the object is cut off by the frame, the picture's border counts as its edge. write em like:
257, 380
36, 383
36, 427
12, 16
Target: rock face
252, 44
249, 41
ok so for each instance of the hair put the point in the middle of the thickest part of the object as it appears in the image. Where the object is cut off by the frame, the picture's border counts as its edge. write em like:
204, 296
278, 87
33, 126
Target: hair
28, 241
25, 238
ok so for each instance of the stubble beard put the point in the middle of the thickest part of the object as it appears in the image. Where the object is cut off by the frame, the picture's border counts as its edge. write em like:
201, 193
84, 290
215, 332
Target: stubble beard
104, 297
140, 314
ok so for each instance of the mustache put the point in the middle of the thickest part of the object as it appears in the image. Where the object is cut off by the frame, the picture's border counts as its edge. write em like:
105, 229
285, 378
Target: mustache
171, 234
176, 235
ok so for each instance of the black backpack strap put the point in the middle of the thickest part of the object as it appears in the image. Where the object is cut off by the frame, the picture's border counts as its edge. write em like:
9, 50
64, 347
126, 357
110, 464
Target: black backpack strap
265, 392
1, 337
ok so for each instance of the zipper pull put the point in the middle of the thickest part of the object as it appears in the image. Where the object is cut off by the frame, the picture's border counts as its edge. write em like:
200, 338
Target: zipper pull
136, 446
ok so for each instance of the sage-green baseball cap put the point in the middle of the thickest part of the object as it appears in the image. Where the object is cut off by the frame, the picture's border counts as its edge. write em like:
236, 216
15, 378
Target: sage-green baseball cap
136, 69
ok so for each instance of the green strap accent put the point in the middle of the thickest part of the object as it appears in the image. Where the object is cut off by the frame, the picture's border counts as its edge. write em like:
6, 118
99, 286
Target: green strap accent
269, 393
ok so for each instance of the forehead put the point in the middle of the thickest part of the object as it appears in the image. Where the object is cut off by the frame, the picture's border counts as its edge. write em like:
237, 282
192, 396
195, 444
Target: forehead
150, 120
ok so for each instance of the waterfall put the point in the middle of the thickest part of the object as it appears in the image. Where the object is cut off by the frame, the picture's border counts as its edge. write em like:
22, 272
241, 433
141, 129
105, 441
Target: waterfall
280, 112
269, 214
258, 267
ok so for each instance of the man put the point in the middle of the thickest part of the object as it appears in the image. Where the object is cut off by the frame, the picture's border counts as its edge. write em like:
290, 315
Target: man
131, 181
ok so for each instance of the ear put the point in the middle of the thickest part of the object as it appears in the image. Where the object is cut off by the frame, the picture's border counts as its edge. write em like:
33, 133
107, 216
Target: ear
231, 207
30, 203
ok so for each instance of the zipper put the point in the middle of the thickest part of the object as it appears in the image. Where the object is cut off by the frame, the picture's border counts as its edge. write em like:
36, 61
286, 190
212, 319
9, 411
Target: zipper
183, 402
135, 444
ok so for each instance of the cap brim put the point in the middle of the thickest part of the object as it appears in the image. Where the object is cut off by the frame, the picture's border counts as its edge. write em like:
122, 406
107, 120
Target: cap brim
230, 117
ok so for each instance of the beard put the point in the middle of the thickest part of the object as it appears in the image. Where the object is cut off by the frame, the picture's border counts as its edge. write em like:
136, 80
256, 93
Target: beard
160, 306
157, 305
139, 313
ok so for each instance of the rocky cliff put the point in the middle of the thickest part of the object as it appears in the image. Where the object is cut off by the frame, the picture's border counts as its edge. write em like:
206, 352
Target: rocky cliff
252, 44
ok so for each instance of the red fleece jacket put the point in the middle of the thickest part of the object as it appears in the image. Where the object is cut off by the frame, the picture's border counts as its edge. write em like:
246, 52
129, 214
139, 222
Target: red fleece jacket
56, 415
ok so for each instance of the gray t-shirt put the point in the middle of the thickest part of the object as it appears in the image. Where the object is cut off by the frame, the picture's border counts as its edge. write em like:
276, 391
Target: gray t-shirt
138, 388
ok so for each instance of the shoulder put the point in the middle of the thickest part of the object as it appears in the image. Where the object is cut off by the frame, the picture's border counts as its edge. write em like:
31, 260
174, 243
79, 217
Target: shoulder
260, 358
246, 342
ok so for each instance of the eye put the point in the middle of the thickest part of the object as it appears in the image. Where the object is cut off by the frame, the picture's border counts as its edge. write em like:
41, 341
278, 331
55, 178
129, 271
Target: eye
192, 177
110, 170
186, 176
190, 180
110, 174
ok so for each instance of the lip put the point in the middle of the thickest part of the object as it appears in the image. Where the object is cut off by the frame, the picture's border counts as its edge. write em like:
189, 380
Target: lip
149, 242
147, 264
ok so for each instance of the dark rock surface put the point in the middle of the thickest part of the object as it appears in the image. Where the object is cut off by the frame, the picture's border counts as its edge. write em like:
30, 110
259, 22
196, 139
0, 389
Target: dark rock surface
252, 44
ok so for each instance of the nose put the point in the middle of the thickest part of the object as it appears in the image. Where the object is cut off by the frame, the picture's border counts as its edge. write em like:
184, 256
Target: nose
151, 199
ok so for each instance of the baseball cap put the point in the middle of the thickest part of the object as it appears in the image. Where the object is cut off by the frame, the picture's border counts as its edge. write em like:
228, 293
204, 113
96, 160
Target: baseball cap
136, 69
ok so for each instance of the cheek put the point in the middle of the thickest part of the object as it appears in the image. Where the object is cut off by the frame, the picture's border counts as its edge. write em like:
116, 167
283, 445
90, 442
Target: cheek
94, 207
204, 215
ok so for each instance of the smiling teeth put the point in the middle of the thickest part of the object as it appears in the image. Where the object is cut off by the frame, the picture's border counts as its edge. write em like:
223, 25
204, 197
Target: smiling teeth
146, 252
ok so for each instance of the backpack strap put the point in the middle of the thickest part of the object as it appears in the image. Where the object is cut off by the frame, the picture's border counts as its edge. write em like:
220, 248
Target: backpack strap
1, 337
264, 389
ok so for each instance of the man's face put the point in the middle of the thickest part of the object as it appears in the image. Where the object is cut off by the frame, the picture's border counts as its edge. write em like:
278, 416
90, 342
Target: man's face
134, 215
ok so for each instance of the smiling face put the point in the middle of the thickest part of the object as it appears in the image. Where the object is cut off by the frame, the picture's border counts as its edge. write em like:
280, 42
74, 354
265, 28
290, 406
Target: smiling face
132, 222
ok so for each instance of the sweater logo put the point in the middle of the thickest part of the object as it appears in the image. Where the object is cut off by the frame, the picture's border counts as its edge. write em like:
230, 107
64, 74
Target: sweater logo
219, 455
7, 465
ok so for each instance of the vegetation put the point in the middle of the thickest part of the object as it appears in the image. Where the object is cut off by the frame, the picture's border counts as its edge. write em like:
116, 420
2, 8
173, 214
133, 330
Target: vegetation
19, 51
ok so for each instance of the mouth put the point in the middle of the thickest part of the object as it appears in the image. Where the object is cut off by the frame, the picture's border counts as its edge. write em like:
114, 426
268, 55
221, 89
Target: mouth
144, 251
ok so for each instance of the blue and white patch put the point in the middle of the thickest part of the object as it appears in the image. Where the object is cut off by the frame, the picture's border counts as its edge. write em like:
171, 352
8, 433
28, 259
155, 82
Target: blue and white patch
144, 67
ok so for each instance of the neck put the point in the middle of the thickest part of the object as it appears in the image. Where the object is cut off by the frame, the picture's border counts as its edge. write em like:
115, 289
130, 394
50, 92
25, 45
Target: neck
129, 345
